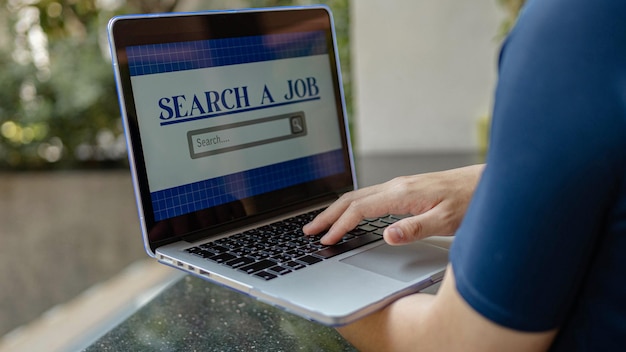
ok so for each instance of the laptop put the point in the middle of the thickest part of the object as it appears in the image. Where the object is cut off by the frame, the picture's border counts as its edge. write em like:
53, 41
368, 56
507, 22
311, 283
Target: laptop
237, 136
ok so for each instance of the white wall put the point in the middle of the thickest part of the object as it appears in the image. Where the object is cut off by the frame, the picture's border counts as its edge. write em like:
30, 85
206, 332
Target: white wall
424, 73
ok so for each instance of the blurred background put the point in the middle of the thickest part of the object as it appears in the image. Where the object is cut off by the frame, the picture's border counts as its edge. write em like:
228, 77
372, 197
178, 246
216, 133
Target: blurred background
418, 77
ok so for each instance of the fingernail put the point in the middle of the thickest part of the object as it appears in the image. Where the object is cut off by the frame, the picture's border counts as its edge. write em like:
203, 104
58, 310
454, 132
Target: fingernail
396, 234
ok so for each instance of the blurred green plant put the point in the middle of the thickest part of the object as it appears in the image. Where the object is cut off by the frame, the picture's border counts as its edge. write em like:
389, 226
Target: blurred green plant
58, 107
512, 8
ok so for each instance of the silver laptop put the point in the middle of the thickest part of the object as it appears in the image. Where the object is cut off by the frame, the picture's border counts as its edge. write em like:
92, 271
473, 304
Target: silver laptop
237, 136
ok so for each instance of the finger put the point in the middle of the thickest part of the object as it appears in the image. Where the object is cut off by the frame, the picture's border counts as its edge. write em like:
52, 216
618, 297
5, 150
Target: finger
374, 205
320, 223
346, 222
418, 227
337, 220
328, 217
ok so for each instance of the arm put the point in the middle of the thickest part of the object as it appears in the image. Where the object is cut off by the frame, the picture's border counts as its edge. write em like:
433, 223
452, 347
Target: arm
437, 200
422, 322
444, 322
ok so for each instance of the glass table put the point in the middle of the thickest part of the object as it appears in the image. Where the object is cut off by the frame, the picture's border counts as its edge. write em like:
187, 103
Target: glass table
193, 314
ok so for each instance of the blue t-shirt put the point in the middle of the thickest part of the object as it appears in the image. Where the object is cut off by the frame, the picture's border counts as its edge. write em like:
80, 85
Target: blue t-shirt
543, 243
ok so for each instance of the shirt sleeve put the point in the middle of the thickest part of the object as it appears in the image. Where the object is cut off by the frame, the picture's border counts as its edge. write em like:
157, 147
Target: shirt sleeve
555, 159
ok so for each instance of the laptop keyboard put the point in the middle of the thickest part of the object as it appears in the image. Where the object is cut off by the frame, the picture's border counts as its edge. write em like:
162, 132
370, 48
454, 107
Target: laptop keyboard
281, 248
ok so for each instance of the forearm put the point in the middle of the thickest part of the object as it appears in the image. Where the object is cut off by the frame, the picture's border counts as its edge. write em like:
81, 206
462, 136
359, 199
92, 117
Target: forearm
444, 322
393, 328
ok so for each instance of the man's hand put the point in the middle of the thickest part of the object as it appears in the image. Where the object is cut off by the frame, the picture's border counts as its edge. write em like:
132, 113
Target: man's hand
437, 201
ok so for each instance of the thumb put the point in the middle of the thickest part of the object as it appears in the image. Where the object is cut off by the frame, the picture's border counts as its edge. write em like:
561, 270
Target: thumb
407, 230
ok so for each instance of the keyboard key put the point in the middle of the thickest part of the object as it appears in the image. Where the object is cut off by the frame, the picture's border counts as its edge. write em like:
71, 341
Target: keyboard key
254, 267
277, 269
378, 224
399, 217
309, 259
368, 227
222, 258
293, 265
196, 250
357, 232
237, 262
389, 220
206, 254
265, 275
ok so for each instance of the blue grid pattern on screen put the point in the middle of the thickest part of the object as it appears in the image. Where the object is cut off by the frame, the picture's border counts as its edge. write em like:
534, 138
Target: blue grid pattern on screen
221, 190
180, 56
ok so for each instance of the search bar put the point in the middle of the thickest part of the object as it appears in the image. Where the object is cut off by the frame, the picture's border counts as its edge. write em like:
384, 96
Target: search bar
245, 134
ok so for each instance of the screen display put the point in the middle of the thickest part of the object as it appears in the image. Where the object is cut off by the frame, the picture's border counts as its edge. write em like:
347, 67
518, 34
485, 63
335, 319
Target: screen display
228, 119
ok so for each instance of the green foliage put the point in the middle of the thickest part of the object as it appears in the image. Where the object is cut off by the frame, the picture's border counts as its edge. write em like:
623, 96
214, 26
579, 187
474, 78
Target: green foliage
512, 8
58, 107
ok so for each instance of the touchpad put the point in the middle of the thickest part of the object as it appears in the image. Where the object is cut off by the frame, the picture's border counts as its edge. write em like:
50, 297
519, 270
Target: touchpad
404, 263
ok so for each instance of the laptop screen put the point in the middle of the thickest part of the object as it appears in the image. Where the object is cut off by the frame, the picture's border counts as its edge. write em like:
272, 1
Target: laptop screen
231, 116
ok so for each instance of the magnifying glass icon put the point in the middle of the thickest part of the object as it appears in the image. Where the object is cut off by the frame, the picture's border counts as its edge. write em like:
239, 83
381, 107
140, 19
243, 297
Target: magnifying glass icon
296, 125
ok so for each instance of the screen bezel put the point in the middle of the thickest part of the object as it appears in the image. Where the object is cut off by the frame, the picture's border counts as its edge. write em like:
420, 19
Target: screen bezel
167, 28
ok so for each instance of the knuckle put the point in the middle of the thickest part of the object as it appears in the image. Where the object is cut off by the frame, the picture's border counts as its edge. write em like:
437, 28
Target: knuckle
400, 184
399, 181
346, 197
356, 205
